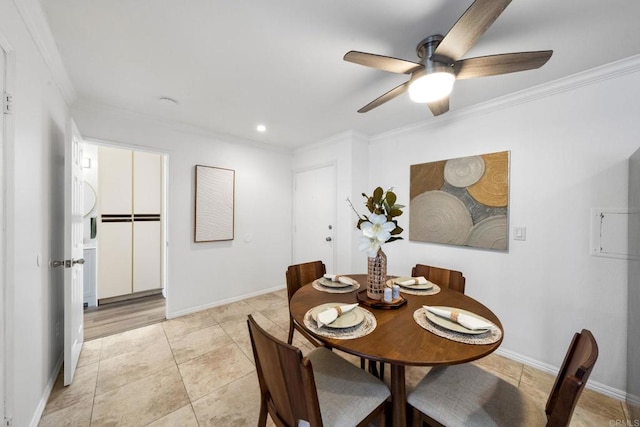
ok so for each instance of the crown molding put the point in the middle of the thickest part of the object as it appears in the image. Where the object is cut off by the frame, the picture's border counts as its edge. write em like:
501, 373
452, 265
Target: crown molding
38, 26
348, 135
566, 84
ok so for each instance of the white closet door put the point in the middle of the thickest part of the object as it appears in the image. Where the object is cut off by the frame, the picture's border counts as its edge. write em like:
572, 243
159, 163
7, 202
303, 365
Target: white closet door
147, 179
146, 255
114, 259
114, 180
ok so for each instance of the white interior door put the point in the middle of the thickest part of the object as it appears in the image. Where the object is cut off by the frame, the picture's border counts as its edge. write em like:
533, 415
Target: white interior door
2, 258
73, 252
314, 216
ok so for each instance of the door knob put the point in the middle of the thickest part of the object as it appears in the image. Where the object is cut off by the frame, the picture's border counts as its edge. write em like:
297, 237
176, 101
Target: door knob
328, 239
68, 263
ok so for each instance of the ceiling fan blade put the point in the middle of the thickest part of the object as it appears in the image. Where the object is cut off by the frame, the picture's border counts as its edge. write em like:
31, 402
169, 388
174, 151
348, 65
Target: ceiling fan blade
493, 65
396, 91
440, 106
471, 25
381, 62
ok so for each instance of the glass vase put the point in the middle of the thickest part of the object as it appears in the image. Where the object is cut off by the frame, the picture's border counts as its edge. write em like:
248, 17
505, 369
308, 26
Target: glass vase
376, 275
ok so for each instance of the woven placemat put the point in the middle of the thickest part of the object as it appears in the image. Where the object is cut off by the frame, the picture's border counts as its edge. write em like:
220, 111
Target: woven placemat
317, 285
494, 334
365, 328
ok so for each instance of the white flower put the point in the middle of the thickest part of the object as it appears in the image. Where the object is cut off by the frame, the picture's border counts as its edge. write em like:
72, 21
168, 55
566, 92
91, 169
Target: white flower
377, 228
369, 245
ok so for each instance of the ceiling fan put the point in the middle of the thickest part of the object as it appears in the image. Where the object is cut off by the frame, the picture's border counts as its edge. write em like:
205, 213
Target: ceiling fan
440, 63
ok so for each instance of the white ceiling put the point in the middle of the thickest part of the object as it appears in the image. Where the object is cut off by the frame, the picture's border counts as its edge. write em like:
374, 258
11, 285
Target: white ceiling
236, 63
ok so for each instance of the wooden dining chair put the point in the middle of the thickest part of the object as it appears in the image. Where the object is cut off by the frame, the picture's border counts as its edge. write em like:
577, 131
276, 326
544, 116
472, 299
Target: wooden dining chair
442, 277
451, 279
322, 388
297, 276
465, 395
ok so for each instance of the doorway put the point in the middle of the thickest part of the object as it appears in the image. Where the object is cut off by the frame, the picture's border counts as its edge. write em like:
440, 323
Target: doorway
3, 303
314, 205
7, 86
110, 305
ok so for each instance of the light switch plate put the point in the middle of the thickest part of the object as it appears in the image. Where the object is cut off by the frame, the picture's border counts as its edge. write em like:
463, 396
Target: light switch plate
519, 233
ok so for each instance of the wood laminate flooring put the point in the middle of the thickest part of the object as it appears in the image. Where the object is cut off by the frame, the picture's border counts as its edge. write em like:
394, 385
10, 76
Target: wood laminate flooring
116, 317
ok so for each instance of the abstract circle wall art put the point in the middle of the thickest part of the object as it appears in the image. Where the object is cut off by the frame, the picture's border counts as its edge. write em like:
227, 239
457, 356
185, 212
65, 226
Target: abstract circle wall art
462, 201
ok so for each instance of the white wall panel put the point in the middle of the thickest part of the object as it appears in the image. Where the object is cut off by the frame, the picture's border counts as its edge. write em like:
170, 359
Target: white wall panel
146, 255
114, 259
115, 174
147, 177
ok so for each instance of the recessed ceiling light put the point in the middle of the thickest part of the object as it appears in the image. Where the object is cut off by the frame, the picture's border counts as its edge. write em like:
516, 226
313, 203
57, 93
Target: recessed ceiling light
261, 128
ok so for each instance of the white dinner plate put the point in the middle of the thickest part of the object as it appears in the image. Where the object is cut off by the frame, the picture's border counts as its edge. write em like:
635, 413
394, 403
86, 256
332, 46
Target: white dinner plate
422, 287
347, 320
453, 326
331, 284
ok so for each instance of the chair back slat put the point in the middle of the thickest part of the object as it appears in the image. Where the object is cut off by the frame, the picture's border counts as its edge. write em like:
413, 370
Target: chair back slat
286, 384
300, 274
572, 378
443, 277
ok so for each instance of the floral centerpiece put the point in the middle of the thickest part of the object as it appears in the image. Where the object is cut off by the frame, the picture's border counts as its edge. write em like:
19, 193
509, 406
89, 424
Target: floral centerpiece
377, 228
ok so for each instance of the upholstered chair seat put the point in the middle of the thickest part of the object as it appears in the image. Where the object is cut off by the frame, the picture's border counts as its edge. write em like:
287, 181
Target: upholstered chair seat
347, 395
465, 395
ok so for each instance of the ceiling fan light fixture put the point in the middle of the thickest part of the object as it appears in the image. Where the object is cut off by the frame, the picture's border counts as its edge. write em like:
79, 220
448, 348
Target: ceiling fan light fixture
432, 86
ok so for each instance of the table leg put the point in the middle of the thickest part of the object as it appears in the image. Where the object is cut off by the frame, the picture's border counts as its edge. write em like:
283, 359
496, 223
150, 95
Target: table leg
398, 396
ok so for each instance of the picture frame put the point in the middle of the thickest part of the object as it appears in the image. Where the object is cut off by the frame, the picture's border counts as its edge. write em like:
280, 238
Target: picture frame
462, 201
214, 204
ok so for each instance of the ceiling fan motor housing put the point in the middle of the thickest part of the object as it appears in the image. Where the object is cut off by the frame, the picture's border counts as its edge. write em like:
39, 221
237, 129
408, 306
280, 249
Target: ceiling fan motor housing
425, 50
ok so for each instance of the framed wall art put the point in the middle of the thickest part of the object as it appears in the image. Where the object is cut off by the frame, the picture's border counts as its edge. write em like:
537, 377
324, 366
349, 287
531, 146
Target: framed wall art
214, 204
462, 201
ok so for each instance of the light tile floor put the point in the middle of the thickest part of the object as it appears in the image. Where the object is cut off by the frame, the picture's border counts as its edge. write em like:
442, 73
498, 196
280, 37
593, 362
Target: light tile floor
198, 370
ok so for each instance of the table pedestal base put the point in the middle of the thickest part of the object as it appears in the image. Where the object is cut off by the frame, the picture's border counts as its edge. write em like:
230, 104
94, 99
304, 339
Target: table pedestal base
398, 396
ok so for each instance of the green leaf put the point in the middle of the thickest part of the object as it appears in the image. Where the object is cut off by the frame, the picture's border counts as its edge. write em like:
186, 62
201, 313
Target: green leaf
391, 198
377, 194
395, 212
397, 230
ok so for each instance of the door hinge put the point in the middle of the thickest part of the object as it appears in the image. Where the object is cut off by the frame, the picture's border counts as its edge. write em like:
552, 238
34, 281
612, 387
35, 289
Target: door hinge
7, 103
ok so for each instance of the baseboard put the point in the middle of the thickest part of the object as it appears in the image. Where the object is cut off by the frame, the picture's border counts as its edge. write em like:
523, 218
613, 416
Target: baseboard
174, 314
47, 393
553, 370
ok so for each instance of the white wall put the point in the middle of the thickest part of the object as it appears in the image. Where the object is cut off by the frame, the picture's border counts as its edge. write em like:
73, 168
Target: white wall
35, 183
569, 145
206, 274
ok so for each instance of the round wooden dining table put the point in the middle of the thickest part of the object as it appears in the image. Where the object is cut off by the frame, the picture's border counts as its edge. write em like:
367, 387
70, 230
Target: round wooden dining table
397, 339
